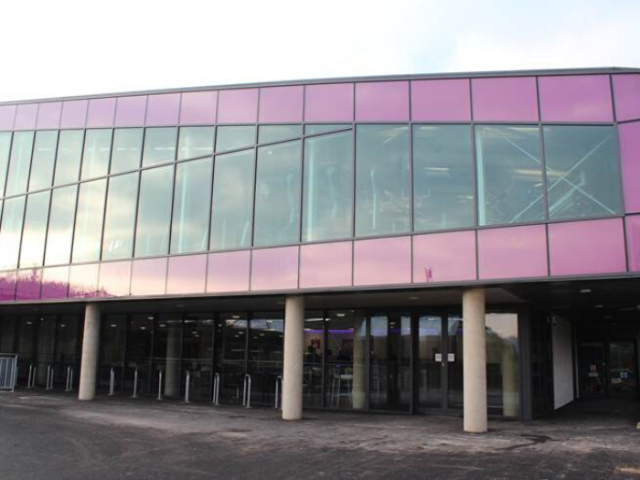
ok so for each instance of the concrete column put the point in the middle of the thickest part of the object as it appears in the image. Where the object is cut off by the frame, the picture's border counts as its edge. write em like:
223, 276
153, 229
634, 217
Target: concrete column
90, 349
510, 386
293, 358
474, 361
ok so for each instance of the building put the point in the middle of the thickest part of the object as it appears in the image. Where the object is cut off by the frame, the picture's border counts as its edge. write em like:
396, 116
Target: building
432, 243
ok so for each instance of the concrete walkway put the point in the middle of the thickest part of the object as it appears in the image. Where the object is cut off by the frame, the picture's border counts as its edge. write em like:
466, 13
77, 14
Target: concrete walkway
56, 436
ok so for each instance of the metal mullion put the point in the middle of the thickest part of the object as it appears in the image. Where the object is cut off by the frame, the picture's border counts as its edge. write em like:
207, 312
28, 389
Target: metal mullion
26, 203
444, 367
137, 206
3, 188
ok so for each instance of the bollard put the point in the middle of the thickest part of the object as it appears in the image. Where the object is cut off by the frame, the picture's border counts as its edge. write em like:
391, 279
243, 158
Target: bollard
30, 375
49, 384
71, 380
186, 387
112, 382
278, 384
68, 385
135, 383
246, 393
160, 385
216, 389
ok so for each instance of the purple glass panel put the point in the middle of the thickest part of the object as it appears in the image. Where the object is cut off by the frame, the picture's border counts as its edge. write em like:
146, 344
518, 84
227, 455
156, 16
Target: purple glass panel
163, 109
83, 281
7, 285
275, 269
382, 261
198, 108
440, 100
115, 279
26, 117
281, 104
238, 106
326, 265
444, 257
593, 247
576, 98
7, 115
101, 112
74, 114
512, 99
28, 285
513, 252
382, 101
633, 242
55, 283
49, 115
329, 103
149, 277
187, 274
130, 111
626, 90
630, 157
228, 272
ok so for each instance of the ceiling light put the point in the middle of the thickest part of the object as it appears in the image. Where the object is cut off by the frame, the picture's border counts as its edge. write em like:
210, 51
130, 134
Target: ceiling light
414, 298
585, 290
598, 306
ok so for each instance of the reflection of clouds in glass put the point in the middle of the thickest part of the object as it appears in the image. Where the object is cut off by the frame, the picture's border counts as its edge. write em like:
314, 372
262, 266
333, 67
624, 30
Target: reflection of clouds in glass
120, 217
88, 231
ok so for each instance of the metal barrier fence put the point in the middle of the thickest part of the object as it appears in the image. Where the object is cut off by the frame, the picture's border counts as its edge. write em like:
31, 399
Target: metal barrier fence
8, 371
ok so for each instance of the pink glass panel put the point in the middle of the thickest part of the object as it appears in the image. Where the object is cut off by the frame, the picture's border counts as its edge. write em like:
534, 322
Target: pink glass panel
513, 252
74, 114
228, 272
163, 109
329, 103
275, 269
49, 115
55, 283
281, 104
130, 111
101, 112
512, 99
83, 280
444, 257
238, 106
198, 108
149, 277
382, 261
115, 279
592, 247
440, 100
26, 117
326, 265
28, 286
187, 274
576, 98
633, 242
630, 157
7, 285
7, 115
382, 101
626, 91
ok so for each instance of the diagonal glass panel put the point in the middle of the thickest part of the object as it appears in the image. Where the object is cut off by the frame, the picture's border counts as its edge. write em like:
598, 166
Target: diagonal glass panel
20, 163
44, 157
235, 137
318, 129
5, 149
276, 133
195, 142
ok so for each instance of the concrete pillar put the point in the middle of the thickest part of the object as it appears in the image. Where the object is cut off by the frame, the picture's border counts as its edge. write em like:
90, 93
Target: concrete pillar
293, 358
359, 338
474, 361
172, 373
90, 349
510, 385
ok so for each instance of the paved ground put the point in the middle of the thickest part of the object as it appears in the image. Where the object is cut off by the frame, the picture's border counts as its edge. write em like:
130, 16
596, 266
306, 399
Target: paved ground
55, 436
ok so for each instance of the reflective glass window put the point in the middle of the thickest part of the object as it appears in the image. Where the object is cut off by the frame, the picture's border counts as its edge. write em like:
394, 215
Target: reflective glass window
232, 138
316, 129
69, 156
19, 163
88, 231
383, 180
120, 217
127, 149
5, 150
60, 232
97, 151
510, 188
275, 133
44, 159
583, 171
328, 187
195, 142
159, 145
10, 230
190, 227
503, 365
443, 189
35, 229
154, 212
232, 206
277, 211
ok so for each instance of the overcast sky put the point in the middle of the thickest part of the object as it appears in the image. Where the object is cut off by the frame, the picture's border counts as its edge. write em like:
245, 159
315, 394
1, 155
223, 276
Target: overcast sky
64, 47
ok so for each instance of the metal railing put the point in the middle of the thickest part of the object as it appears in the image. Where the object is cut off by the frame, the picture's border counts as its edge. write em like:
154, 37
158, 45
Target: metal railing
246, 392
216, 389
50, 373
8, 371
278, 390
31, 379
